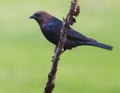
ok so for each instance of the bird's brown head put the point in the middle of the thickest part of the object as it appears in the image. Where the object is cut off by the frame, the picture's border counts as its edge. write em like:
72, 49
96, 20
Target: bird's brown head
41, 17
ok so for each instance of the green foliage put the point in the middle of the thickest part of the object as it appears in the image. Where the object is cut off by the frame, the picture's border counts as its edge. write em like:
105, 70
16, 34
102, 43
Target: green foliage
25, 55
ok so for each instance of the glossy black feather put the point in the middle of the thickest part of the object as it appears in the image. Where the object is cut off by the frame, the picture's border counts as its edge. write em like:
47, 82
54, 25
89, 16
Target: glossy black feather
51, 31
51, 27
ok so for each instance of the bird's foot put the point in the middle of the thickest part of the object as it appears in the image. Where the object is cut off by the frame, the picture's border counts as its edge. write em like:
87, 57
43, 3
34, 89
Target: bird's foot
53, 58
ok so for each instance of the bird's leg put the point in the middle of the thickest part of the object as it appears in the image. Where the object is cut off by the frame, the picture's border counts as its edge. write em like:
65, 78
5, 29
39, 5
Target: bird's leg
55, 49
54, 52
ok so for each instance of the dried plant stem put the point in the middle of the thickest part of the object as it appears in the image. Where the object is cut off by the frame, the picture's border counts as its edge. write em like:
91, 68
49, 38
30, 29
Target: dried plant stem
58, 50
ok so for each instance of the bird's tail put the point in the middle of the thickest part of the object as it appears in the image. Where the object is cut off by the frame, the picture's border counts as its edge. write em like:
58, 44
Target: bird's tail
93, 42
101, 45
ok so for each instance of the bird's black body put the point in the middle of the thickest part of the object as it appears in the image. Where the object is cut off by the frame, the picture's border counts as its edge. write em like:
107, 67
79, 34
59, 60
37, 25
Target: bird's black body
51, 28
51, 31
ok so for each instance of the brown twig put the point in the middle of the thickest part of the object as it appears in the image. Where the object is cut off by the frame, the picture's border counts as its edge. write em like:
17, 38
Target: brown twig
70, 19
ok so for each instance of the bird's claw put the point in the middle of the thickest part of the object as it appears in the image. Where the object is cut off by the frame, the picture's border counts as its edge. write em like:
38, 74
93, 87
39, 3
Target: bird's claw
53, 58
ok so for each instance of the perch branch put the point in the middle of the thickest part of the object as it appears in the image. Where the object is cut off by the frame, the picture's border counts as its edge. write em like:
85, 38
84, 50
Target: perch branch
70, 19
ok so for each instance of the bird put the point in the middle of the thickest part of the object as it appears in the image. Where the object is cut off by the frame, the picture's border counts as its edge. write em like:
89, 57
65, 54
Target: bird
51, 28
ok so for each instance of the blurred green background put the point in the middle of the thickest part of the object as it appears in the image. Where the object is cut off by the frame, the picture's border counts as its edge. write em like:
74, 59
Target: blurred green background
25, 55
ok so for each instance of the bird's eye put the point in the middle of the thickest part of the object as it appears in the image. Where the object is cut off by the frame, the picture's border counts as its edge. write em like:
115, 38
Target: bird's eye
37, 15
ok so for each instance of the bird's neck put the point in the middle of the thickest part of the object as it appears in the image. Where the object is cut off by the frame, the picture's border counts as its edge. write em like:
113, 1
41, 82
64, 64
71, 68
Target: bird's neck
44, 21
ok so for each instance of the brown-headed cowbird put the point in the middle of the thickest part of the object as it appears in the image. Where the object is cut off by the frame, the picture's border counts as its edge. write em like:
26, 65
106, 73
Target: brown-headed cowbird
51, 27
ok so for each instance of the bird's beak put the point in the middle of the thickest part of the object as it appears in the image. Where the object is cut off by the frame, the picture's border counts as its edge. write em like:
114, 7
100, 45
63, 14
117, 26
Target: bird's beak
32, 17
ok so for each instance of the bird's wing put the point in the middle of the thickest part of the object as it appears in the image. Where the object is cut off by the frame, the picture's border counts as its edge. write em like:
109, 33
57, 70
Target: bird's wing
74, 35
51, 32
54, 26
52, 29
